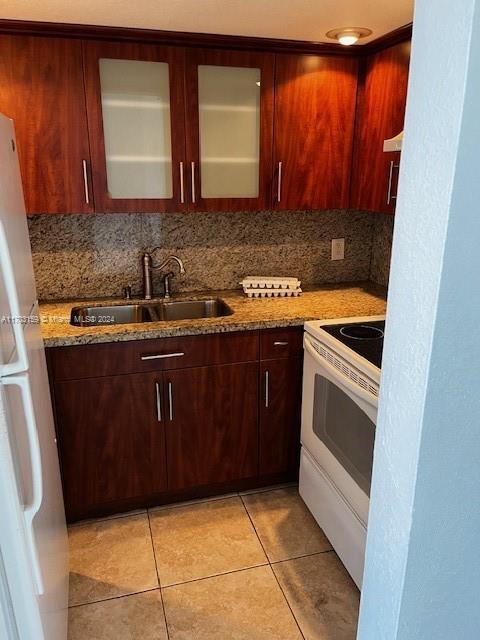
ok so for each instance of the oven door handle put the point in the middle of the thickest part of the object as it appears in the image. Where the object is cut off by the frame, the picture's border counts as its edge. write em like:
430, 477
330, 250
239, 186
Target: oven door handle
354, 388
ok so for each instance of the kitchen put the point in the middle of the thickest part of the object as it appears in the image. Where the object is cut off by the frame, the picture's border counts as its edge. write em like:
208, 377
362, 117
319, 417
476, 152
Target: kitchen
189, 395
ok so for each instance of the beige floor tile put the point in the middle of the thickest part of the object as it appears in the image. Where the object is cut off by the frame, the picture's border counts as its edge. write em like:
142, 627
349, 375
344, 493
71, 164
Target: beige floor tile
114, 516
245, 605
186, 503
111, 558
322, 595
137, 617
285, 526
203, 540
273, 487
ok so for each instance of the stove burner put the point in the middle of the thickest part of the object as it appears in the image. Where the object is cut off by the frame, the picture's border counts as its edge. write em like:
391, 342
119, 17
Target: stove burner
361, 332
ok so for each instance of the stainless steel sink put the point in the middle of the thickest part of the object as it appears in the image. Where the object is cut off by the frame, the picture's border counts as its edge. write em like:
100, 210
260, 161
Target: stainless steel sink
149, 312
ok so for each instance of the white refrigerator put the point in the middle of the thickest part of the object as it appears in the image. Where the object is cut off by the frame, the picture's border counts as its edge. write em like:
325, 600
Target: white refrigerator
33, 536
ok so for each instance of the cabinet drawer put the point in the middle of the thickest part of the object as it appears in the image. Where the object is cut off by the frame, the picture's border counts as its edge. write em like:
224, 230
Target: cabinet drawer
281, 343
97, 360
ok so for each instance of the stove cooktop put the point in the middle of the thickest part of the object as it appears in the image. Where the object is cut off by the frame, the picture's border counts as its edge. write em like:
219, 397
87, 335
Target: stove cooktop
365, 338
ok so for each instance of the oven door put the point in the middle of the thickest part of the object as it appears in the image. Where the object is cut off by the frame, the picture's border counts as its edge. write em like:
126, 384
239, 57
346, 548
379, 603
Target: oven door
338, 427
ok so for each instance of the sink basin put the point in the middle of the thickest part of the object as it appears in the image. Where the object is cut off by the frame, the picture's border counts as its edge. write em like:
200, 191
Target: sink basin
149, 312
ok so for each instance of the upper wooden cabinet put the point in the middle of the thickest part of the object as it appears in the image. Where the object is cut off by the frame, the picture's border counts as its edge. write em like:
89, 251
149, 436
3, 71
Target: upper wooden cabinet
136, 127
380, 115
314, 121
136, 121
229, 129
41, 89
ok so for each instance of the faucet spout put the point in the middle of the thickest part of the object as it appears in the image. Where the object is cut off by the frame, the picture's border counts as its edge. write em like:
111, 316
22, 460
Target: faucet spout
167, 261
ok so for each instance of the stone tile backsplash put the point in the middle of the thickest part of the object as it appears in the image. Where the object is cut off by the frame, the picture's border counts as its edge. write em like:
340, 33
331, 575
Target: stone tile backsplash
83, 256
382, 237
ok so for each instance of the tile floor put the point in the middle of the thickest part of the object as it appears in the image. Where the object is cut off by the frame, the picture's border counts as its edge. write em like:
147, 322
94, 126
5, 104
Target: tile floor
248, 566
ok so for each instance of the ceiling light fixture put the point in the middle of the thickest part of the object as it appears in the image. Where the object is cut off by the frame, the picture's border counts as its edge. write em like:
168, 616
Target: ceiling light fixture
348, 35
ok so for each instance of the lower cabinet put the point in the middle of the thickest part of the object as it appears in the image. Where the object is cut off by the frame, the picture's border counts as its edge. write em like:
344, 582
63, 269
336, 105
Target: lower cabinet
154, 421
212, 433
280, 414
111, 441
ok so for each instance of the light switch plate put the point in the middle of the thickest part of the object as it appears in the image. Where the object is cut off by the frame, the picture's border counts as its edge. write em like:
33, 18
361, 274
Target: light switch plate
338, 249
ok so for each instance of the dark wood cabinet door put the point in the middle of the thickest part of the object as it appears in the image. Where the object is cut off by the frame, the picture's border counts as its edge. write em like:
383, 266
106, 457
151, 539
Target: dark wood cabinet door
212, 424
111, 439
380, 115
41, 89
229, 129
136, 120
280, 413
314, 122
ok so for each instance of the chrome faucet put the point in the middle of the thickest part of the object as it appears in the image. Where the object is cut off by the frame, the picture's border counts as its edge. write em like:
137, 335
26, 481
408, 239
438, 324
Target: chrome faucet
148, 267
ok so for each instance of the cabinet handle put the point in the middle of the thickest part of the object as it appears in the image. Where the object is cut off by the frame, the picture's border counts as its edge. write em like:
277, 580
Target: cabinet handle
279, 185
193, 182
159, 402
280, 343
85, 182
393, 166
267, 380
162, 356
182, 186
170, 401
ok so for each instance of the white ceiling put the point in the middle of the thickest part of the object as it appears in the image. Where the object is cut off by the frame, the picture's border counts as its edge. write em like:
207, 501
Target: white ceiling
290, 19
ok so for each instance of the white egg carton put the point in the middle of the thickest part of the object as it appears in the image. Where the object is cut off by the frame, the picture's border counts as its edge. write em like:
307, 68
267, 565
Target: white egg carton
272, 293
269, 282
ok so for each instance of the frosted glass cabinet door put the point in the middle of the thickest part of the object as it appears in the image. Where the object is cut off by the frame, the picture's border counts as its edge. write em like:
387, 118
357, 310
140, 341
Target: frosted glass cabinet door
135, 109
136, 128
229, 111
229, 129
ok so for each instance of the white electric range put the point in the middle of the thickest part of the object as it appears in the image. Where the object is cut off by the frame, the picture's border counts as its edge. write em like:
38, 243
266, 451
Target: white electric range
341, 381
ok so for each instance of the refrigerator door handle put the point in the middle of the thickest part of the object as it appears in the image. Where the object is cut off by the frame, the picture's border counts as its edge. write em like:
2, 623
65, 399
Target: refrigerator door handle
32, 509
6, 267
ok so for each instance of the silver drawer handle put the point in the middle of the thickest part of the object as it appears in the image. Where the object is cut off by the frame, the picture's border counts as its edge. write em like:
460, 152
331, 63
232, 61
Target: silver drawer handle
162, 356
170, 401
279, 185
391, 197
85, 182
159, 402
182, 186
280, 343
192, 165
267, 377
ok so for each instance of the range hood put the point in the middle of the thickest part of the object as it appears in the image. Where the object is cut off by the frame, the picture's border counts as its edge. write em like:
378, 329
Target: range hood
393, 144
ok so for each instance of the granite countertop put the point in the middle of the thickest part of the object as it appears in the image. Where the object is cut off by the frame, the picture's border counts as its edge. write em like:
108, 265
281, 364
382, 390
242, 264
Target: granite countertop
316, 303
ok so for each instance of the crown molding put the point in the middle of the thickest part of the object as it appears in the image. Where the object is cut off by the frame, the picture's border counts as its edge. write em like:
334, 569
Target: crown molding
185, 39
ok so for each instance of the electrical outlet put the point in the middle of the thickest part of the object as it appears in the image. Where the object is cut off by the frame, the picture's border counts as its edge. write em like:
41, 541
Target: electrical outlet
338, 249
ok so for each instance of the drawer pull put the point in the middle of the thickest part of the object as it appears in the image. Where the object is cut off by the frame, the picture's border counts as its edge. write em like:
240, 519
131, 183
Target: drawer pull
182, 186
279, 185
192, 165
162, 356
159, 402
85, 182
280, 343
267, 380
170, 401
391, 197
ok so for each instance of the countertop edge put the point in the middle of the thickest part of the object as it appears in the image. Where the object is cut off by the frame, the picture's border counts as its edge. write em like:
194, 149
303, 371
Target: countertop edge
152, 334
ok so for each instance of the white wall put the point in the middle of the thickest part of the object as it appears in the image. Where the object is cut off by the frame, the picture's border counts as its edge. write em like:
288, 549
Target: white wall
422, 575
